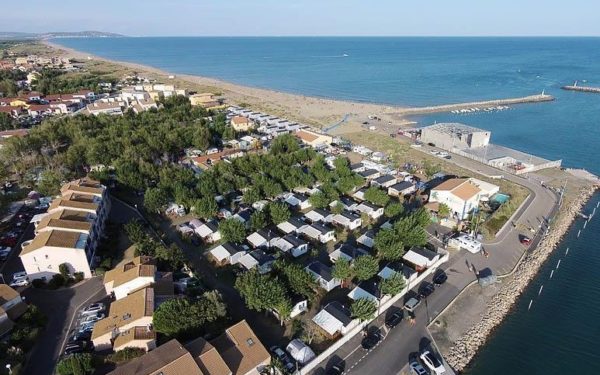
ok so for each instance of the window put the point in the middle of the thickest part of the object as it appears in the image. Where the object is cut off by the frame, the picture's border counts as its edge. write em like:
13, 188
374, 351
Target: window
46, 256
250, 342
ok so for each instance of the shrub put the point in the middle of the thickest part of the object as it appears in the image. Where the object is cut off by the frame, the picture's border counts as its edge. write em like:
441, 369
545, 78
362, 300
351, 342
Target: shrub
100, 271
63, 268
57, 281
125, 355
78, 276
38, 283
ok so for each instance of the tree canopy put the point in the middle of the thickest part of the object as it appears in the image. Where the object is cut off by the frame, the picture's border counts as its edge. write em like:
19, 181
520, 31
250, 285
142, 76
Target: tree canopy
183, 317
365, 267
232, 230
363, 309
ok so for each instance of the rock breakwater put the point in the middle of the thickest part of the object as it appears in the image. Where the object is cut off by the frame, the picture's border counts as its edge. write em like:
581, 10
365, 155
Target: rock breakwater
466, 347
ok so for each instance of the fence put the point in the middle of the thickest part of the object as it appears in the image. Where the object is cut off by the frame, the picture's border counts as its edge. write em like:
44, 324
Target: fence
383, 306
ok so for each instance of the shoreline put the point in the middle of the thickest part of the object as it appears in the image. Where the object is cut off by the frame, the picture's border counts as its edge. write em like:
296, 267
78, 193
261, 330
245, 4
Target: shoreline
323, 112
465, 350
317, 111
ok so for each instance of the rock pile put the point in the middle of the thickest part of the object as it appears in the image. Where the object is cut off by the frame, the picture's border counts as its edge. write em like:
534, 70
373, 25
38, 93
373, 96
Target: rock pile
465, 348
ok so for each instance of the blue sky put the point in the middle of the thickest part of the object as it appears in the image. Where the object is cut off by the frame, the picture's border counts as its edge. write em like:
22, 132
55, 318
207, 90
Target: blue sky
307, 17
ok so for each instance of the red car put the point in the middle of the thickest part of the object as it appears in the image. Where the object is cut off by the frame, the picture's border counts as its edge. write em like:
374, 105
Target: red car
525, 241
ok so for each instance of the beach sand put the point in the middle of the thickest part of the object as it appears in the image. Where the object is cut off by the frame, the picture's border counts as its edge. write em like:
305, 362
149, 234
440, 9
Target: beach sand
319, 112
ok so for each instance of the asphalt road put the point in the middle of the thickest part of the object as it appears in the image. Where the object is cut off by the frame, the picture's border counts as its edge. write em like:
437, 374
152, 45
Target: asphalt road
392, 355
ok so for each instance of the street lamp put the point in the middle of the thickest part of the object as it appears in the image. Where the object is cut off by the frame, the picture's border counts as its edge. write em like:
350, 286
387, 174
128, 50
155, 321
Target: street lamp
8, 366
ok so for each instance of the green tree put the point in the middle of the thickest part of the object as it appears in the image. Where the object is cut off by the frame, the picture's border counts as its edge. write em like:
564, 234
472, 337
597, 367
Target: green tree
338, 208
443, 210
155, 199
365, 267
319, 200
342, 270
135, 231
299, 281
393, 285
393, 209
232, 230
76, 364
258, 220
363, 309
262, 292
431, 168
410, 232
206, 207
279, 212
49, 183
173, 255
182, 317
63, 268
376, 196
251, 195
389, 245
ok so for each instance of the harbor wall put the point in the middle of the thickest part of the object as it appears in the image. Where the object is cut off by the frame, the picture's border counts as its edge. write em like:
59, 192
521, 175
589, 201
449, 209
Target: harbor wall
485, 104
467, 346
595, 90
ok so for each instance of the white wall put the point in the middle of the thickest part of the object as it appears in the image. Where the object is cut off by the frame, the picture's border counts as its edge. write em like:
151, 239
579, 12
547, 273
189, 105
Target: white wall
45, 261
135, 284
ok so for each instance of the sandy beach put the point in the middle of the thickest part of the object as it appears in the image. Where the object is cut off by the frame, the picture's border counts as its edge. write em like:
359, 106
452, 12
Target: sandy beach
319, 112
315, 111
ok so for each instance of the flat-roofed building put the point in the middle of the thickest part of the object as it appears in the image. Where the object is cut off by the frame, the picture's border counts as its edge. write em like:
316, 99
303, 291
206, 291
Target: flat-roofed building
455, 135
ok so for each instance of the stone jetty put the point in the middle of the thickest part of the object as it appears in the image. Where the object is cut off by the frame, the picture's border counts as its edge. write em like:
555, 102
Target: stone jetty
483, 104
594, 90
466, 347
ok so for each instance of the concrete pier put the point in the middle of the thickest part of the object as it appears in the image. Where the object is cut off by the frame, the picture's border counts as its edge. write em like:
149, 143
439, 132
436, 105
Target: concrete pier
594, 90
483, 104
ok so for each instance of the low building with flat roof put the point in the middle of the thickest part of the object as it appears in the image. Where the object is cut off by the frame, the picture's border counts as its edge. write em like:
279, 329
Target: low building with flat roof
455, 135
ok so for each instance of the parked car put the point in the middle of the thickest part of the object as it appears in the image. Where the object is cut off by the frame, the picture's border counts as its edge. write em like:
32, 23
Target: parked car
73, 347
412, 304
335, 370
88, 327
19, 275
92, 318
394, 319
440, 278
94, 308
526, 241
371, 340
431, 361
416, 368
81, 336
284, 358
19, 282
425, 290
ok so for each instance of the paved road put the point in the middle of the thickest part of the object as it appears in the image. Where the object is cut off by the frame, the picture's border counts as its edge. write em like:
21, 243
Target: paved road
392, 355
60, 307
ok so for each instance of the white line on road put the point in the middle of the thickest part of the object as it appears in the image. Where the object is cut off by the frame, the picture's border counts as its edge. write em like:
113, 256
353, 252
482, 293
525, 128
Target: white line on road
530, 302
551, 273
558, 264
540, 291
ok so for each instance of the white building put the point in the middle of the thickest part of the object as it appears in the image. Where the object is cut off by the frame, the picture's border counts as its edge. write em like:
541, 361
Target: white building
459, 194
322, 275
292, 244
139, 273
228, 253
335, 319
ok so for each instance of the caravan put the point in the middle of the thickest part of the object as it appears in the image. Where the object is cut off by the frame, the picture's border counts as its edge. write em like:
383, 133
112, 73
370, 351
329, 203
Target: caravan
466, 242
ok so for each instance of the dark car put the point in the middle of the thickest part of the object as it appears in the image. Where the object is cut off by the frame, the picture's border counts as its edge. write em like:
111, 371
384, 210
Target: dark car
440, 278
394, 319
74, 347
81, 336
426, 290
335, 370
283, 357
371, 340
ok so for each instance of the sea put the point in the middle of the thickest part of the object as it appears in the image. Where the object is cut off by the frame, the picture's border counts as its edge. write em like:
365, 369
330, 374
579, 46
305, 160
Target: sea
559, 332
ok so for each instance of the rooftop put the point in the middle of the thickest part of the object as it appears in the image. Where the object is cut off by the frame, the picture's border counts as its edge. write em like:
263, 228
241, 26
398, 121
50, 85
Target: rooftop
126, 310
170, 358
56, 238
241, 350
207, 357
454, 128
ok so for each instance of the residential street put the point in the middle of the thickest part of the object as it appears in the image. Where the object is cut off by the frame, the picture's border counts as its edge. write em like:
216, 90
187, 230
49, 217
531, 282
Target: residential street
505, 251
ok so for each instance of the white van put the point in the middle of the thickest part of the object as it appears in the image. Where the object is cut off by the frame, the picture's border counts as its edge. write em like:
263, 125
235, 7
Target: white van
466, 242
